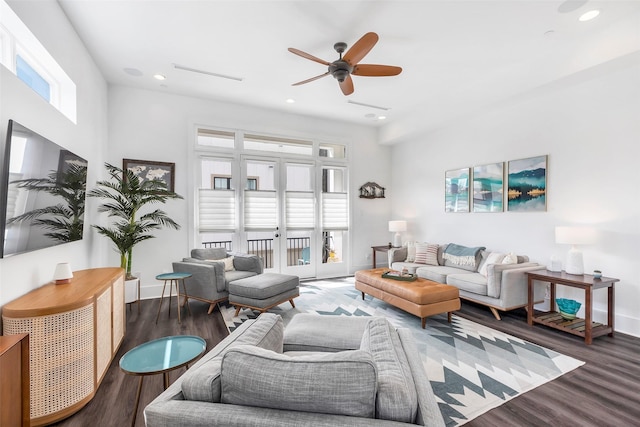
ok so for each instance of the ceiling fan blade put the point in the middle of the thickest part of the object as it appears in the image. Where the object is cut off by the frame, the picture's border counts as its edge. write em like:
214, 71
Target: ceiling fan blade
347, 85
360, 48
308, 56
311, 79
375, 70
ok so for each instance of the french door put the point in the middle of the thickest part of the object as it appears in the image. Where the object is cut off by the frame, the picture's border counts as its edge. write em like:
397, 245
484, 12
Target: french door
280, 214
293, 213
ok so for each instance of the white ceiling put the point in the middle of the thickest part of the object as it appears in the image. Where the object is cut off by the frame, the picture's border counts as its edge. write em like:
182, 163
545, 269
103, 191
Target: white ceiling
457, 56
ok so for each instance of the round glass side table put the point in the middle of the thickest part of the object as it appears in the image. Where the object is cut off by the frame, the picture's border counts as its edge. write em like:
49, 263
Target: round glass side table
174, 278
161, 356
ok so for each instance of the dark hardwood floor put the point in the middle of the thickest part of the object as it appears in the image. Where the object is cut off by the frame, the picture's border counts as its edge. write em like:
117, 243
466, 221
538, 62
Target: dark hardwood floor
603, 392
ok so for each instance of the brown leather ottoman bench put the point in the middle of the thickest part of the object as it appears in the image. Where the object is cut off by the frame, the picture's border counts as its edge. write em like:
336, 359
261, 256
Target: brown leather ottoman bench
421, 297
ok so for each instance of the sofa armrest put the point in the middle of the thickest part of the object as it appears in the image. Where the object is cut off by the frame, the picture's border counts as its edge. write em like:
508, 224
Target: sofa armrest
206, 281
428, 410
246, 262
509, 283
397, 255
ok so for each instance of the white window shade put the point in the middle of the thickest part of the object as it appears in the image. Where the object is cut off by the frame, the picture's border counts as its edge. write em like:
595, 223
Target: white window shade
260, 210
216, 210
335, 211
300, 210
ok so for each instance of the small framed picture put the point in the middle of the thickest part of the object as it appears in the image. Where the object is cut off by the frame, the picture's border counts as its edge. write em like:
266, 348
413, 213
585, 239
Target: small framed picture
149, 170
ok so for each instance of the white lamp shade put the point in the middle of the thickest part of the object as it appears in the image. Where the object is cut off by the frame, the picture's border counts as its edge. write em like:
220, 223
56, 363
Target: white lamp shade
396, 226
575, 235
63, 273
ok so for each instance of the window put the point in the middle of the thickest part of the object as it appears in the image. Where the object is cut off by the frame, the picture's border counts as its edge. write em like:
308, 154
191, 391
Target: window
252, 184
215, 138
35, 81
279, 145
23, 54
221, 182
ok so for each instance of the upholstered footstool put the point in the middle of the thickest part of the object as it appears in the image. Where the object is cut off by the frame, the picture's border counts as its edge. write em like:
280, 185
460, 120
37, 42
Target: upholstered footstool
263, 291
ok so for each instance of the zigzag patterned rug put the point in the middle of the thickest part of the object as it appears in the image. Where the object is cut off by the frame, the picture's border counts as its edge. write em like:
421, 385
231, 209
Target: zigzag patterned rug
472, 368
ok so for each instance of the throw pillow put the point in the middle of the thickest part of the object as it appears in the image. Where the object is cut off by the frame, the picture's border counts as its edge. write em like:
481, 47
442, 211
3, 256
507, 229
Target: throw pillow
411, 251
342, 383
432, 254
510, 259
421, 253
492, 258
228, 263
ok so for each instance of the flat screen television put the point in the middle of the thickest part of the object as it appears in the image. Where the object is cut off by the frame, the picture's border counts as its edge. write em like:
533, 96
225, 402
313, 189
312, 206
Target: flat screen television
42, 190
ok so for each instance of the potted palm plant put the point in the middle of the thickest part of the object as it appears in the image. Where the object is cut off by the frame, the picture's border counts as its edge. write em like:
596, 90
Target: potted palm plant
124, 195
64, 221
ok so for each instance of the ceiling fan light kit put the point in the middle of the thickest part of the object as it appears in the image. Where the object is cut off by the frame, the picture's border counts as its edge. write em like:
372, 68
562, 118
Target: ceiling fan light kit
347, 65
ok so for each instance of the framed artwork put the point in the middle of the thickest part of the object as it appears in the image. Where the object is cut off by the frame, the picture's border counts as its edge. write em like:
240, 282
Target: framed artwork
67, 158
456, 190
527, 185
488, 184
148, 170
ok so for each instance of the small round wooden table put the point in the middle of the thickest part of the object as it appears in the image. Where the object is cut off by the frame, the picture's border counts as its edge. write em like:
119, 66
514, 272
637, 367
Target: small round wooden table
159, 357
173, 278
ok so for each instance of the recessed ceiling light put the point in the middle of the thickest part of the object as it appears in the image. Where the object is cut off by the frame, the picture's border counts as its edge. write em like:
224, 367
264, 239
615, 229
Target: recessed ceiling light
382, 117
159, 77
290, 101
588, 16
132, 72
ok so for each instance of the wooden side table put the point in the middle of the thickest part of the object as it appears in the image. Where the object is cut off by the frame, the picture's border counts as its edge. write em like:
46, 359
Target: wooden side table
586, 327
375, 249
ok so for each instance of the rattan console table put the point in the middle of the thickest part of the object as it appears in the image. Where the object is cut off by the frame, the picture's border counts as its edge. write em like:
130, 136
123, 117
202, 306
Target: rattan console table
74, 332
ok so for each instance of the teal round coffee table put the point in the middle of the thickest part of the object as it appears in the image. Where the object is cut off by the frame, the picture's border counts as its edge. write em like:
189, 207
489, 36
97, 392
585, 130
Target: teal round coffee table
160, 357
174, 278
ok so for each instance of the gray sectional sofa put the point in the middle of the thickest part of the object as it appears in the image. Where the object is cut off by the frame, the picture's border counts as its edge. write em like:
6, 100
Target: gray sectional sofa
499, 286
320, 371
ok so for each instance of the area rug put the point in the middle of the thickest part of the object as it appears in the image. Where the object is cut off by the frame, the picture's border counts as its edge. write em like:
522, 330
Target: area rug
472, 368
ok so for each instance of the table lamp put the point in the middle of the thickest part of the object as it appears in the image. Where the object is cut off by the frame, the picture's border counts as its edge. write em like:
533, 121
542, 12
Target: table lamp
397, 227
574, 236
63, 273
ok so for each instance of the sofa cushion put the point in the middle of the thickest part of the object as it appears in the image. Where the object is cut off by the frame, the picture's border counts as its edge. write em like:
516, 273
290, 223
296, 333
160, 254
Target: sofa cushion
202, 381
397, 399
438, 273
312, 332
343, 383
471, 282
463, 257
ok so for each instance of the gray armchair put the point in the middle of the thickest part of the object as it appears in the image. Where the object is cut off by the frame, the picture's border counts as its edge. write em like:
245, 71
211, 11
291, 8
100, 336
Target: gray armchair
209, 282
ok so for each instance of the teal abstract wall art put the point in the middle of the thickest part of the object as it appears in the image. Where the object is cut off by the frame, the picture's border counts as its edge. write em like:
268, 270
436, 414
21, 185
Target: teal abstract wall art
457, 190
488, 187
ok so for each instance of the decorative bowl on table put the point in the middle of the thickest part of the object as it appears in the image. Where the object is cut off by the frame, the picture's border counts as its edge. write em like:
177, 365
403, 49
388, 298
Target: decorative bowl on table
568, 308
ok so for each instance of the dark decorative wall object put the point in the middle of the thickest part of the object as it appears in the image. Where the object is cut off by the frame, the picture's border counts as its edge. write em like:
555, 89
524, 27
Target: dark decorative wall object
371, 190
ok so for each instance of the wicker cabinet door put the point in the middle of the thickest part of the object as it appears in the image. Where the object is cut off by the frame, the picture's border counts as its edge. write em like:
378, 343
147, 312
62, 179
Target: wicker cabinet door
103, 333
119, 320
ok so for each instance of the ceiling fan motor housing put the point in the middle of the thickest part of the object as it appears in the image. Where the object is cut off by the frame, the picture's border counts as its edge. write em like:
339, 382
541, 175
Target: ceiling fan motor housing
340, 70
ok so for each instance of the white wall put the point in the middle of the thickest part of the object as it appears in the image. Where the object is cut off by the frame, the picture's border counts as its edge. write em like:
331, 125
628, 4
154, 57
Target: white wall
22, 273
159, 126
588, 125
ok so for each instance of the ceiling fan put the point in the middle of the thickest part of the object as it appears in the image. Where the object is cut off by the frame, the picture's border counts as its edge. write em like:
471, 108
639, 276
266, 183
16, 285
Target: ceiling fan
342, 68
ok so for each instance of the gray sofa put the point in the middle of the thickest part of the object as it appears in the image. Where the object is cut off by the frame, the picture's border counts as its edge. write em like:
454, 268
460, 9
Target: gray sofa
209, 281
320, 371
498, 286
